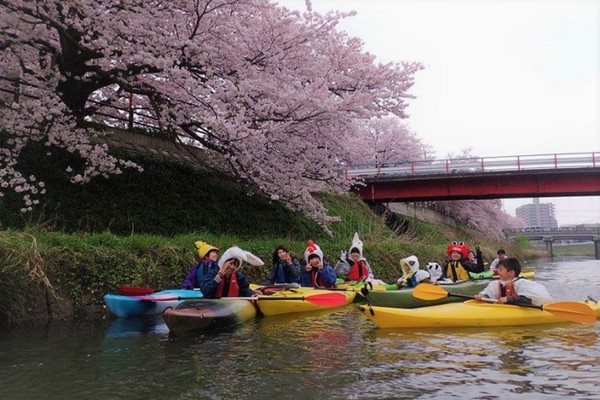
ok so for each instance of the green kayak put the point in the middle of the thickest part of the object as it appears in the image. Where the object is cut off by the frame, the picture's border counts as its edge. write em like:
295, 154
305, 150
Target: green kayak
403, 298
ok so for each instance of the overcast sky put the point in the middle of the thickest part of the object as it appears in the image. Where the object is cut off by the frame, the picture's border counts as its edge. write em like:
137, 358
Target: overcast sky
502, 77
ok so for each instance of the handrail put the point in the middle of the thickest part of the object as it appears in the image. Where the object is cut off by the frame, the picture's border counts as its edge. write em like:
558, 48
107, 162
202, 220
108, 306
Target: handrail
473, 165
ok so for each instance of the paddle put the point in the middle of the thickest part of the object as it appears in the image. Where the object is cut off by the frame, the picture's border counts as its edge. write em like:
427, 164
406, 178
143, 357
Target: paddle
568, 310
321, 299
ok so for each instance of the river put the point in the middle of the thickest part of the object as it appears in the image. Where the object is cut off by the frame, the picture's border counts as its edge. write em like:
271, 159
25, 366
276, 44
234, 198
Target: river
326, 355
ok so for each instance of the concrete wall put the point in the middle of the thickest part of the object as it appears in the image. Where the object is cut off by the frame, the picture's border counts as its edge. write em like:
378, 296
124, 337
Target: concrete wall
424, 214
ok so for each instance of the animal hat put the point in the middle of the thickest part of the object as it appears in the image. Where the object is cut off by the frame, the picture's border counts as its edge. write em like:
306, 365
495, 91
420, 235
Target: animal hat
312, 248
435, 271
241, 256
356, 244
461, 247
409, 264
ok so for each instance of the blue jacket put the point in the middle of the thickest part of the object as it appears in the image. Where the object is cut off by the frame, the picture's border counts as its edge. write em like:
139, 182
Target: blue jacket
209, 283
326, 277
283, 273
194, 277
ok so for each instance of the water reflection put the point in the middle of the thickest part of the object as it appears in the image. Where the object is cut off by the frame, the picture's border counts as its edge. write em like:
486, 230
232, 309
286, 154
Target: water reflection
333, 354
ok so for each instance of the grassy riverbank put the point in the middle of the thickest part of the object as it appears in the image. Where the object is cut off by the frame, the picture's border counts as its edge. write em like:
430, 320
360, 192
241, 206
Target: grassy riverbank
60, 274
140, 229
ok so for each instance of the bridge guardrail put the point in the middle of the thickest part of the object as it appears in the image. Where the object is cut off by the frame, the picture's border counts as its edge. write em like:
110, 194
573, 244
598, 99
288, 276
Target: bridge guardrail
476, 165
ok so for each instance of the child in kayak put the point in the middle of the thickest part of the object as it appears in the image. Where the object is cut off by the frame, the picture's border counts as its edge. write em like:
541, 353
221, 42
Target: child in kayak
456, 268
412, 274
355, 268
285, 268
317, 272
511, 289
208, 256
226, 279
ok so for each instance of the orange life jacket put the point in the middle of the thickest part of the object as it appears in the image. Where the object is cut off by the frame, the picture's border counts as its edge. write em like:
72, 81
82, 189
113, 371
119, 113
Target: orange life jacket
233, 289
508, 290
358, 271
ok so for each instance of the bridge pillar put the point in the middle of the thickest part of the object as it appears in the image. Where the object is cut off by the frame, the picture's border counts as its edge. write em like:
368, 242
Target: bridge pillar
548, 241
597, 248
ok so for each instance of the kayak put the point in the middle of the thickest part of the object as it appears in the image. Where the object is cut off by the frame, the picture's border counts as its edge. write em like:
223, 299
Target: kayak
299, 300
151, 304
403, 298
193, 316
468, 314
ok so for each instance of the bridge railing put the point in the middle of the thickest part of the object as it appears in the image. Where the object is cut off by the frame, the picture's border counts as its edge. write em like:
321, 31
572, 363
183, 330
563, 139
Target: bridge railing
564, 229
476, 165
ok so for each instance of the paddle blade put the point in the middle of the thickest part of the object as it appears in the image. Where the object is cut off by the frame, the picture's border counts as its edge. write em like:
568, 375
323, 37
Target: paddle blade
572, 311
326, 299
427, 291
135, 290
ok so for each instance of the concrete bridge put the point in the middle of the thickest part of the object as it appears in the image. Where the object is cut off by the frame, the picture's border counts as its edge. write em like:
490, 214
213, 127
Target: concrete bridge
548, 236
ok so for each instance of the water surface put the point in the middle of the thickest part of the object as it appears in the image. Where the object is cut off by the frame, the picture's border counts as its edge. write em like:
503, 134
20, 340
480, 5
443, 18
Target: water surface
325, 355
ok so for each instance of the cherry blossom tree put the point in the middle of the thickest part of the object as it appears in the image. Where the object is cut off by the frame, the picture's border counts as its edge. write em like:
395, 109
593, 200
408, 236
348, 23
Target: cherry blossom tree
485, 216
271, 91
385, 140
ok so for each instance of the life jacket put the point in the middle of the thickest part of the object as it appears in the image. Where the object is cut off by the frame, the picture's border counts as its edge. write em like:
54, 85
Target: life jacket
316, 280
358, 271
456, 271
228, 286
508, 290
201, 269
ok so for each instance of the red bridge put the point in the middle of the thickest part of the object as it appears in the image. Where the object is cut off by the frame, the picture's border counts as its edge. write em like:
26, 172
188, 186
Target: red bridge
539, 175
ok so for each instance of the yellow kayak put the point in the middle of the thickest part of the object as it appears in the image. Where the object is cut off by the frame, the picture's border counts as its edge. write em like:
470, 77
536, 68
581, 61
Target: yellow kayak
468, 314
302, 300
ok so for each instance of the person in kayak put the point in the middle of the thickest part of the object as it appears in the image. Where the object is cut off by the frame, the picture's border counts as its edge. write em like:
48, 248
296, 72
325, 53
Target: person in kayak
474, 261
285, 267
208, 256
317, 272
412, 274
501, 256
355, 268
226, 279
456, 269
511, 289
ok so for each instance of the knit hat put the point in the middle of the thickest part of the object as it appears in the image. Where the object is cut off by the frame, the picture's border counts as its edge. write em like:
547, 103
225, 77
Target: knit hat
312, 248
204, 248
241, 256
356, 244
409, 264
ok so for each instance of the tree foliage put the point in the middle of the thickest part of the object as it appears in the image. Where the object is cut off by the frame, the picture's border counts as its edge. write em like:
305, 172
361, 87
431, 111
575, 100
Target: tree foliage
271, 91
385, 140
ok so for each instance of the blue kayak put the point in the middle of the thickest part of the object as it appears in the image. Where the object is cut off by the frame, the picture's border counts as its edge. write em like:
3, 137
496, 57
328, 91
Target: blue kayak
151, 304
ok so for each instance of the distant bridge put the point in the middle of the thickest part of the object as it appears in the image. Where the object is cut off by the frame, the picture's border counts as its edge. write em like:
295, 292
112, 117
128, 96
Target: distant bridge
549, 235
537, 175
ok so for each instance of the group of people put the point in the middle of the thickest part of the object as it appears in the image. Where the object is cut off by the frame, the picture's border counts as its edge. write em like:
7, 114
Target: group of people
223, 276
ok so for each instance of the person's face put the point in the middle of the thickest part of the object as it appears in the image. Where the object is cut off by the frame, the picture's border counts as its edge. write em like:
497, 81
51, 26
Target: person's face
504, 274
455, 255
213, 255
471, 255
314, 262
282, 254
355, 255
501, 256
230, 266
